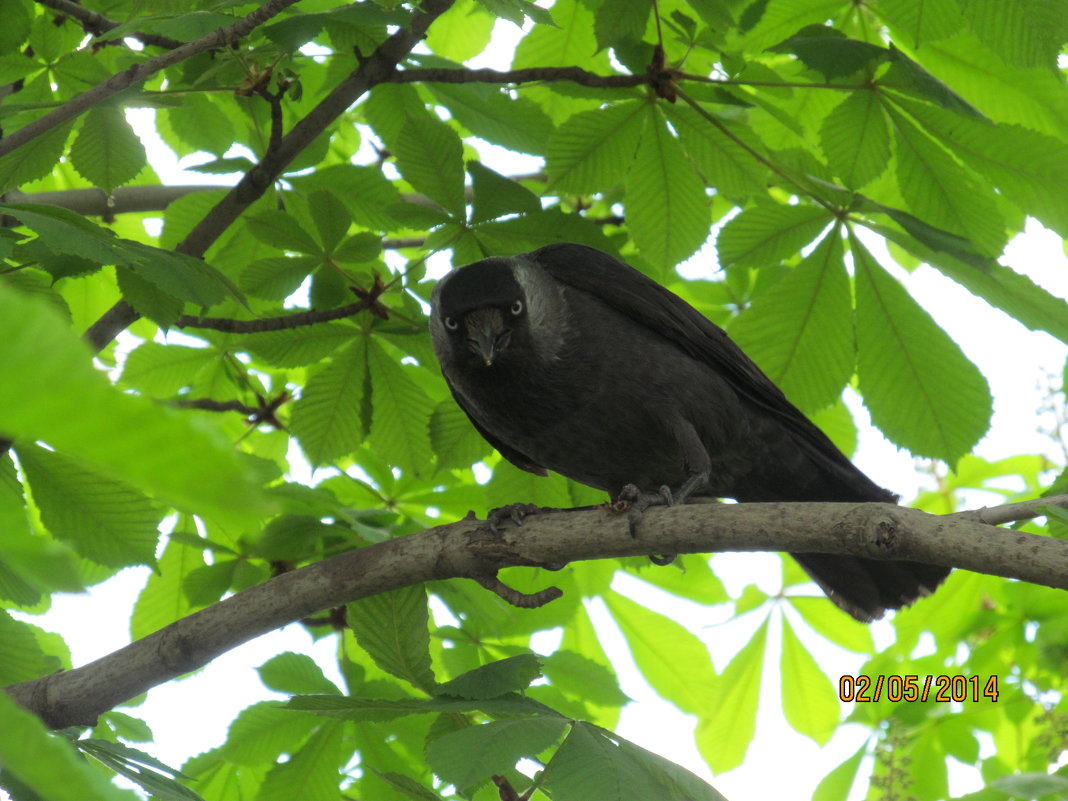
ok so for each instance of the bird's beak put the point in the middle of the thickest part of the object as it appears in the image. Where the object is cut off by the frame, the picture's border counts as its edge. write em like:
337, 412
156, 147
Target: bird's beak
486, 334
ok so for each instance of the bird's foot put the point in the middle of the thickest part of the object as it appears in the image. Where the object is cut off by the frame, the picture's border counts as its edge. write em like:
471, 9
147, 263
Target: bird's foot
636, 502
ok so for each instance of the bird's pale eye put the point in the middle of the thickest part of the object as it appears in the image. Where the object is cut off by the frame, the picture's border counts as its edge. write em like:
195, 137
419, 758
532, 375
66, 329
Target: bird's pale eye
517, 307
451, 324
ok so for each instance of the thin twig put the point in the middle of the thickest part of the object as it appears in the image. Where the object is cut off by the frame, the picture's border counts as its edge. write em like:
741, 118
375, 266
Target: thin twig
282, 323
97, 24
576, 74
139, 72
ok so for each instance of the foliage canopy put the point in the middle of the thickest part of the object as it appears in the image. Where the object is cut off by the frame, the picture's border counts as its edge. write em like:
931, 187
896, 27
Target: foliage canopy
822, 141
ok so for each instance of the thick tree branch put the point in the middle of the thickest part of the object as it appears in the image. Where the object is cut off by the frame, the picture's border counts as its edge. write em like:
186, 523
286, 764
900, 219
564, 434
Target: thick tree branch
126, 199
98, 203
139, 72
468, 549
97, 24
373, 70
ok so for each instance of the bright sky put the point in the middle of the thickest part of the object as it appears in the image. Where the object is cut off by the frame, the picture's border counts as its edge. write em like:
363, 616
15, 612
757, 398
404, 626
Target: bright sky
1020, 366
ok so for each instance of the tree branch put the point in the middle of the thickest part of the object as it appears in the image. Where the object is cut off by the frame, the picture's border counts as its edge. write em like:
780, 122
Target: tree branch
139, 72
296, 320
126, 199
468, 549
574, 74
97, 24
373, 70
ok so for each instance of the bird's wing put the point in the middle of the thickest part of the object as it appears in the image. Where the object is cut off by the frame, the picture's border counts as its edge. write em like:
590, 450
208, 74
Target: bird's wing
520, 460
646, 302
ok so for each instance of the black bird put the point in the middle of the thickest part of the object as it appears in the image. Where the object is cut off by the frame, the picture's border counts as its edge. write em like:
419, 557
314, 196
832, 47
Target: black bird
567, 359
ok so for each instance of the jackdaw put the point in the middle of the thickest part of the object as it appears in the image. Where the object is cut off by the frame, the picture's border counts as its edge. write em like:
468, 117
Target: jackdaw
567, 359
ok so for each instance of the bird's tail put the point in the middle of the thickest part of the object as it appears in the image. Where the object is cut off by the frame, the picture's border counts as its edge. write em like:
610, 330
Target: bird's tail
866, 588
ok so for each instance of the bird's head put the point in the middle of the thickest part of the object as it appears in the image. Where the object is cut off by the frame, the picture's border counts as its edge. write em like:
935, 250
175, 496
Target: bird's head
495, 311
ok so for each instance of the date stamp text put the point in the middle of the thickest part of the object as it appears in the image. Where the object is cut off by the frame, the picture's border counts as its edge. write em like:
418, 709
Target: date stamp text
912, 687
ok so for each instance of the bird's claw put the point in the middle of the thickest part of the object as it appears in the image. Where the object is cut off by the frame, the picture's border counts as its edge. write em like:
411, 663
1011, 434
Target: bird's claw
636, 502
514, 512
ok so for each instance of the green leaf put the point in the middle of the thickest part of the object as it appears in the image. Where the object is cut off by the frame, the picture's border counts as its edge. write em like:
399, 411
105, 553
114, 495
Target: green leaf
106, 151
620, 23
918, 21
23, 658
163, 599
513, 674
583, 677
262, 731
1029, 168
495, 195
281, 230
408, 786
667, 210
453, 438
330, 217
161, 370
35, 159
295, 674
855, 139
359, 249
377, 709
296, 347
726, 727
104, 520
462, 32
400, 421
800, 330
906, 75
278, 277
471, 755
147, 299
669, 656
1022, 34
828, 51
1001, 287
724, 163
828, 621
783, 18
312, 773
835, 786
491, 114
67, 403
430, 157
591, 767
593, 150
943, 193
202, 124
765, 235
921, 390
595, 765
392, 628
328, 419
46, 763
153, 776
690, 576
365, 191
809, 701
